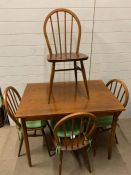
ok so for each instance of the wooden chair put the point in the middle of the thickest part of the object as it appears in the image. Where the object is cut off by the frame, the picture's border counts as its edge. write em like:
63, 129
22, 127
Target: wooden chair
62, 45
73, 132
11, 101
120, 91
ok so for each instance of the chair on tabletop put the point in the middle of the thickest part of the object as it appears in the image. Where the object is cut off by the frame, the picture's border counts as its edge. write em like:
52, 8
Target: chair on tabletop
62, 30
11, 101
104, 123
74, 132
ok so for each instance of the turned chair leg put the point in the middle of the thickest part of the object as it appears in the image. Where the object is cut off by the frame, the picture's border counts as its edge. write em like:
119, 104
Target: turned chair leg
95, 141
86, 158
84, 77
47, 143
51, 81
60, 163
75, 70
51, 131
34, 132
20, 146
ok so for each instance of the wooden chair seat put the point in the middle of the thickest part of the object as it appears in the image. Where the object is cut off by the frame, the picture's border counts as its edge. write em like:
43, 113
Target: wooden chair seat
66, 57
70, 144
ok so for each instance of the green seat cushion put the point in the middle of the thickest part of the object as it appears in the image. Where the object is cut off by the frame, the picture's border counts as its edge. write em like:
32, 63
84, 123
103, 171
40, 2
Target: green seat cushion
104, 121
31, 125
35, 124
0, 101
68, 127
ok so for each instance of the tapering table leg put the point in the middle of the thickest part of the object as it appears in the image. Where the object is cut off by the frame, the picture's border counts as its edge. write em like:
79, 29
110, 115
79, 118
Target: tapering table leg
26, 141
112, 136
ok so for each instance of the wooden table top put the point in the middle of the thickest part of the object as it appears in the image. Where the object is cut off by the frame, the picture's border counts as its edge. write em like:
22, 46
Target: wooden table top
66, 99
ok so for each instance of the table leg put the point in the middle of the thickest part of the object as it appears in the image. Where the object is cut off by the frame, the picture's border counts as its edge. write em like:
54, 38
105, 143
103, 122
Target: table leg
26, 141
112, 136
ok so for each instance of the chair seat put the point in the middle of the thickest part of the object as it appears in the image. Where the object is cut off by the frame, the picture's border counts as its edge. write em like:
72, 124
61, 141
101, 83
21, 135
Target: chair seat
61, 133
31, 125
104, 121
72, 144
35, 124
66, 57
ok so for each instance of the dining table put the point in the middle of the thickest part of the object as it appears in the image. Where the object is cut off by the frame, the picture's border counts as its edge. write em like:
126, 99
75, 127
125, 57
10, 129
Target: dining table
67, 97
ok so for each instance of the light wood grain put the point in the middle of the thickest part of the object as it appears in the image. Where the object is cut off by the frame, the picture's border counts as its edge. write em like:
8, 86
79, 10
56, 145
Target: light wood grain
66, 99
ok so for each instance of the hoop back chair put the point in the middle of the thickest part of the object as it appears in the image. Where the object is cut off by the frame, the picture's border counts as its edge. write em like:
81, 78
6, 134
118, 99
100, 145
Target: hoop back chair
73, 132
62, 31
11, 101
120, 91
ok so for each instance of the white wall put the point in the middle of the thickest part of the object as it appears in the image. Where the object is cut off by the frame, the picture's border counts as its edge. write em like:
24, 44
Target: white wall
112, 43
22, 47
23, 50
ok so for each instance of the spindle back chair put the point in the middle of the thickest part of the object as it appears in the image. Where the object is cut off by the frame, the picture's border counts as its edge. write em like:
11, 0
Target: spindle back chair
12, 101
62, 30
74, 132
119, 89
60, 16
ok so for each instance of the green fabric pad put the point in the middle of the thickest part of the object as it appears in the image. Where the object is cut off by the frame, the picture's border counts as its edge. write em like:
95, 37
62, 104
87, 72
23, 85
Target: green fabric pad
31, 125
35, 124
68, 126
104, 121
0, 101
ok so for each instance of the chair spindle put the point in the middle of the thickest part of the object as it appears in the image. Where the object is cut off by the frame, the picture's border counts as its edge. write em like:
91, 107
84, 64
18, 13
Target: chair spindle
59, 32
53, 34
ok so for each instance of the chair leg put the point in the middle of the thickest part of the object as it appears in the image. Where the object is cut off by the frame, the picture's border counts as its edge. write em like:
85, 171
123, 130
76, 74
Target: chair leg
75, 70
60, 163
76, 154
116, 139
84, 77
95, 141
50, 128
34, 132
86, 158
51, 81
112, 136
47, 144
20, 146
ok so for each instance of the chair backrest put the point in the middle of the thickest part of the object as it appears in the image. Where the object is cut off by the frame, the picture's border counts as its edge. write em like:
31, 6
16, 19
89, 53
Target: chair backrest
119, 90
77, 129
62, 30
11, 101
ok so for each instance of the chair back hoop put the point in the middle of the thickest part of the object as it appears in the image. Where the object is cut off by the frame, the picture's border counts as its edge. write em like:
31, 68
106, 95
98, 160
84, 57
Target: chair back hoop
119, 90
77, 129
11, 101
60, 25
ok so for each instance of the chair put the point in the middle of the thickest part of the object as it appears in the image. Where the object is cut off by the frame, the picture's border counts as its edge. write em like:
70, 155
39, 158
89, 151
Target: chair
73, 132
62, 31
11, 101
120, 91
